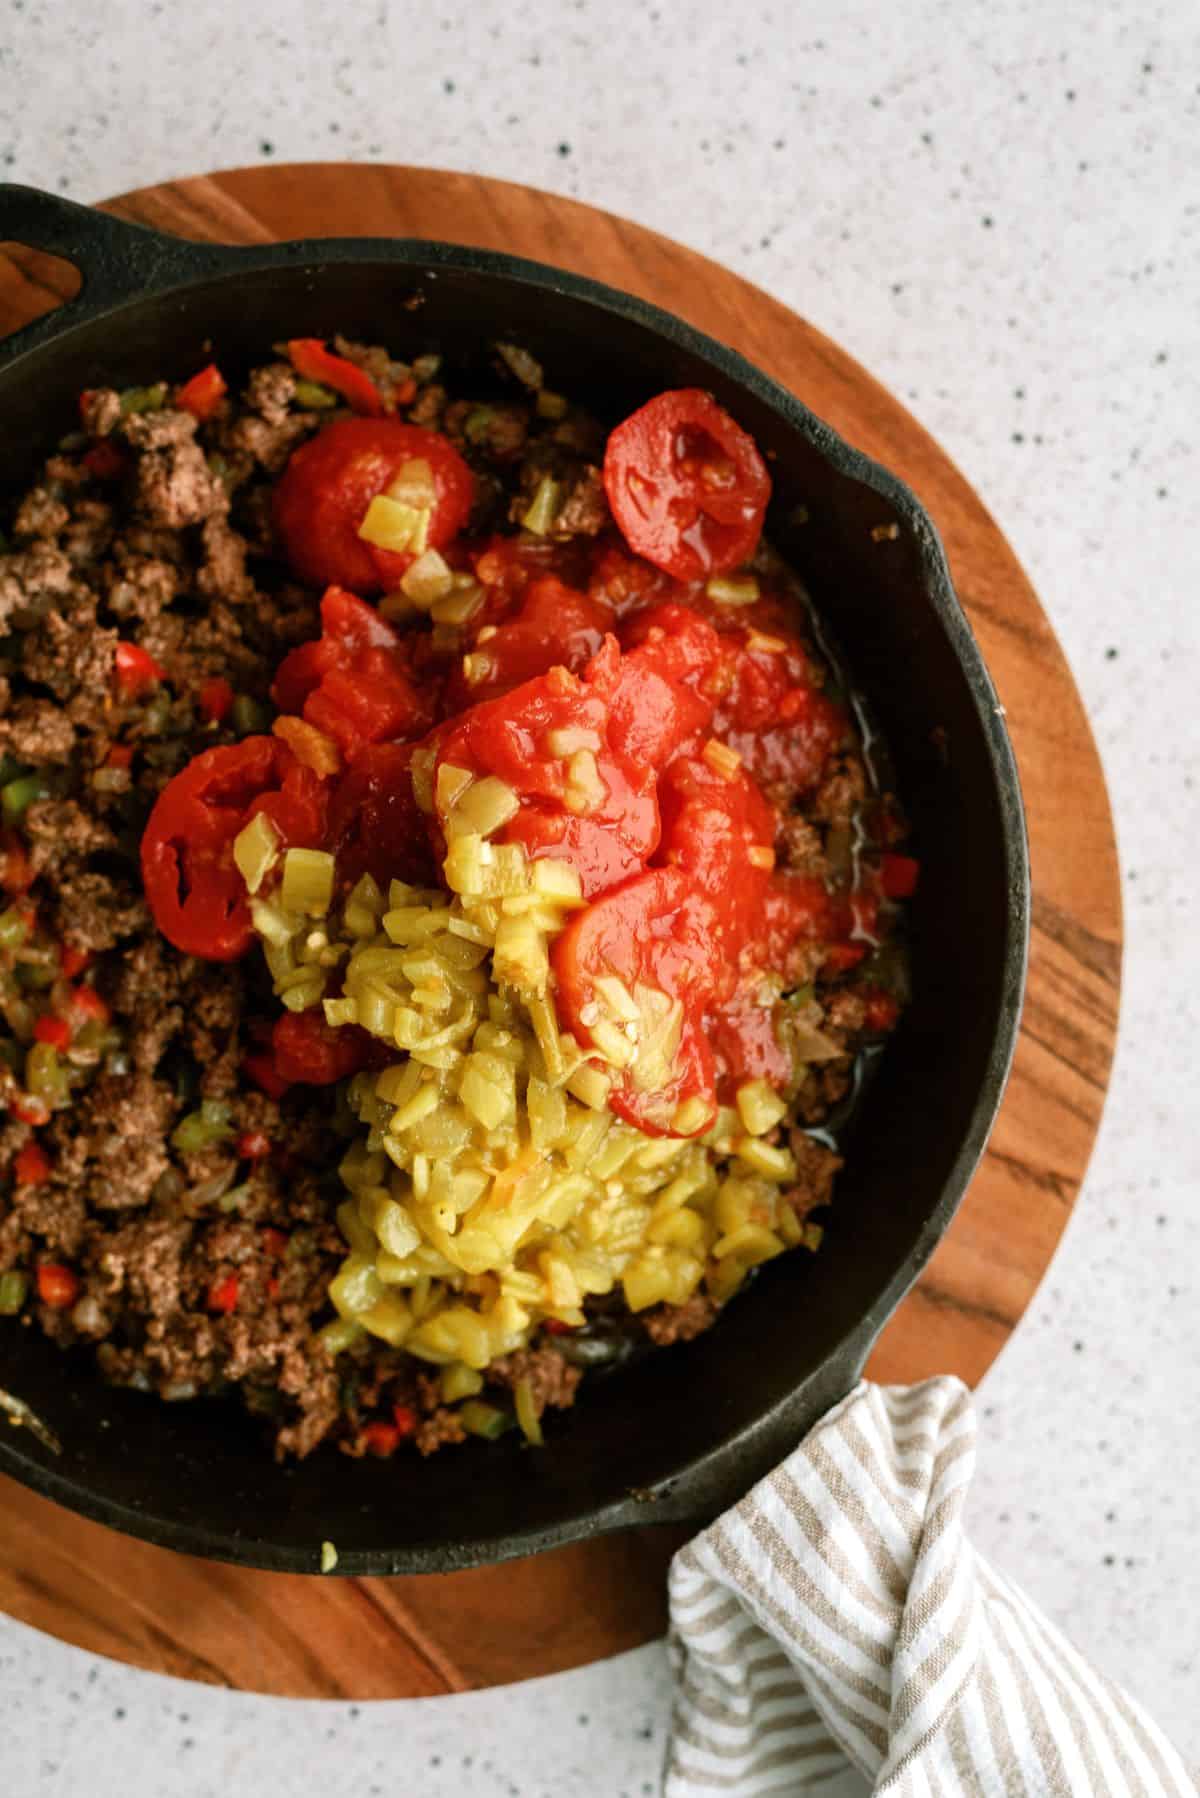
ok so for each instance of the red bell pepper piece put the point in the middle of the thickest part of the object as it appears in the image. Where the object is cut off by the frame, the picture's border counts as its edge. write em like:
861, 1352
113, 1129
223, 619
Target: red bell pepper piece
87, 1001
119, 756
136, 670
106, 460
223, 1294
313, 362
253, 1145
73, 960
55, 1031
16, 873
381, 1438
57, 1286
32, 1165
406, 1419
28, 1110
203, 393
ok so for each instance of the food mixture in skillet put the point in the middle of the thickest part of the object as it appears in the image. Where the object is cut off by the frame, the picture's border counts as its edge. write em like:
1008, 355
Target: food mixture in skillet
445, 891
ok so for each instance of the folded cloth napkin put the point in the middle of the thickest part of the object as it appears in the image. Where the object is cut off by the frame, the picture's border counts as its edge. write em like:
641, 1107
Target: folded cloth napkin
838, 1618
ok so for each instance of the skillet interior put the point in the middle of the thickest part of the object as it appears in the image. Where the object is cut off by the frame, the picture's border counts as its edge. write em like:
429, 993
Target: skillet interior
690, 1429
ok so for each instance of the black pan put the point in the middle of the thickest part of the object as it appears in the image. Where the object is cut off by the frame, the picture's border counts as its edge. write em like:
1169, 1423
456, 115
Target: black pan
688, 1431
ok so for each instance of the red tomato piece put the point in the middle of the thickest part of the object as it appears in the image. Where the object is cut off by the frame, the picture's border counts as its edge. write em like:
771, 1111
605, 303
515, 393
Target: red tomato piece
514, 737
354, 683
55, 1031
660, 933
553, 625
223, 1294
322, 498
305, 1049
898, 876
32, 1166
215, 700
253, 1145
376, 826
686, 485
57, 1286
202, 395
260, 1068
709, 826
194, 889
73, 960
313, 362
136, 670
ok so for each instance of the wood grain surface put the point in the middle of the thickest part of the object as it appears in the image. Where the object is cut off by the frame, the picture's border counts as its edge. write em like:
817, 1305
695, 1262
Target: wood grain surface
376, 1638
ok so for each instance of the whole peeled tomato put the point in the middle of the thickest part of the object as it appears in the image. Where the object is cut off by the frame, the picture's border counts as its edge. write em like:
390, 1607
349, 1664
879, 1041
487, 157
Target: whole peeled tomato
687, 486
323, 495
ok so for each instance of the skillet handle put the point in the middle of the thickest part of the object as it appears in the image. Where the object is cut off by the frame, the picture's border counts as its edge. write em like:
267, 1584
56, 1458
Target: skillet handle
116, 261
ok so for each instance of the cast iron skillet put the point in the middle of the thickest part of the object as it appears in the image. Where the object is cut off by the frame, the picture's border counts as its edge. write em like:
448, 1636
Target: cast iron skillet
689, 1430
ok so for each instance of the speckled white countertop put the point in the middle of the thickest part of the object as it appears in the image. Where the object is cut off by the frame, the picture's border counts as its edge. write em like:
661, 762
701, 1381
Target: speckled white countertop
995, 207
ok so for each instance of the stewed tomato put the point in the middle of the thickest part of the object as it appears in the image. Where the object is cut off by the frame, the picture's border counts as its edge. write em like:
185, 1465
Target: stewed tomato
354, 682
375, 824
194, 889
687, 485
552, 625
324, 492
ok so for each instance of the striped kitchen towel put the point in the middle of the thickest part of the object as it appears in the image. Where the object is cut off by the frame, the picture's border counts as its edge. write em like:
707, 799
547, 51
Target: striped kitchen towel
839, 1619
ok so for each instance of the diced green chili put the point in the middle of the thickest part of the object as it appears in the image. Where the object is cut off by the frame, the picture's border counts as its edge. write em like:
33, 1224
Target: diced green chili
202, 1129
14, 1290
249, 716
17, 797
36, 975
144, 399
803, 995
477, 424
481, 1419
14, 929
315, 398
45, 1076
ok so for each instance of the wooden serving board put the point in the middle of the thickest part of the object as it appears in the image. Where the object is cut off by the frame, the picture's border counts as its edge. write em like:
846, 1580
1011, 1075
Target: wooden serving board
396, 1638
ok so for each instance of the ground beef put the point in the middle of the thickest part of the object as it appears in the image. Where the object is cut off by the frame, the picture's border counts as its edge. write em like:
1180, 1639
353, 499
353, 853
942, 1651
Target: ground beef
40, 514
31, 581
552, 1380
73, 655
439, 1428
60, 831
816, 1169
680, 1323
100, 410
175, 486
95, 911
584, 511
37, 731
271, 390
